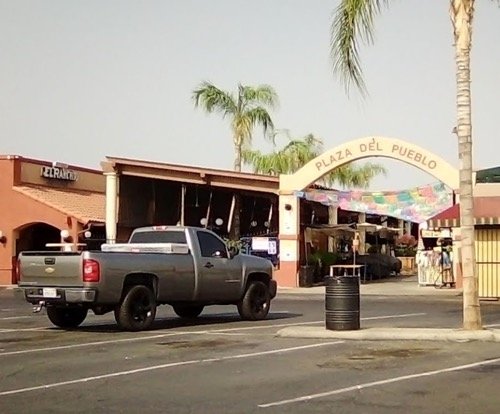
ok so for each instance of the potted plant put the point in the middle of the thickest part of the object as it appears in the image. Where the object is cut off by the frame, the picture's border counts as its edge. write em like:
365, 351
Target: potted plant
321, 261
327, 259
405, 250
314, 263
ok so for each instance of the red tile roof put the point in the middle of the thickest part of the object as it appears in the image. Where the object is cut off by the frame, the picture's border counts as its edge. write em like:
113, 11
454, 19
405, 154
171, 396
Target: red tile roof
486, 211
85, 206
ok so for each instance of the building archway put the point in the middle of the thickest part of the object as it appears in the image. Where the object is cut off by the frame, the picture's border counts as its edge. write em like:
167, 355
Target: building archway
367, 147
35, 236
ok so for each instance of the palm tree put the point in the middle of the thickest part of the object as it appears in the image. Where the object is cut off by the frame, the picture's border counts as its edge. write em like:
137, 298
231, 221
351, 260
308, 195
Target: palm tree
353, 21
246, 110
299, 152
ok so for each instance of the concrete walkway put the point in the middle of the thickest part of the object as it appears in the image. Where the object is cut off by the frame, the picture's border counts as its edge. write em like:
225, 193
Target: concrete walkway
394, 286
398, 286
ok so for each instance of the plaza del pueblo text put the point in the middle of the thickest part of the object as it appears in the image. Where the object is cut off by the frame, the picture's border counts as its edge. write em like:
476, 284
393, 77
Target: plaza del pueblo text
376, 148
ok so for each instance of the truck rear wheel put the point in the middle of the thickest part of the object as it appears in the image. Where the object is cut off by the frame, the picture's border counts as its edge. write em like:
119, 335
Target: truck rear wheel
255, 303
188, 311
66, 317
137, 310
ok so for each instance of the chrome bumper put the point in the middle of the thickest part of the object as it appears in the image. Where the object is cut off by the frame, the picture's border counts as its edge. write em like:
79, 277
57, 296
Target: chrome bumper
62, 295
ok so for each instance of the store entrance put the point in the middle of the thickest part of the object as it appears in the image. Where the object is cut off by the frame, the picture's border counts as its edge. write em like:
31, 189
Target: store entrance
36, 236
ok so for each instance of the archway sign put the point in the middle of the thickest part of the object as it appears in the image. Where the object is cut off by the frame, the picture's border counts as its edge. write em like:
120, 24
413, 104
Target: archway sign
372, 146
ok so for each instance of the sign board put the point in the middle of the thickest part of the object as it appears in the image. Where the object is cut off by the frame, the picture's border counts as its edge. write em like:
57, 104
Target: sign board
272, 247
260, 243
58, 173
431, 233
445, 233
264, 244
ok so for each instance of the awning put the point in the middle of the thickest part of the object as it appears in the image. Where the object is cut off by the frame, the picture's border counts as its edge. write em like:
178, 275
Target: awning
85, 206
486, 212
331, 230
376, 228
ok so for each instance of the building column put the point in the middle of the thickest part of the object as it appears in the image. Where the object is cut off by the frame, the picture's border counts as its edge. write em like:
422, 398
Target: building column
384, 248
289, 229
362, 234
408, 226
333, 214
111, 206
401, 227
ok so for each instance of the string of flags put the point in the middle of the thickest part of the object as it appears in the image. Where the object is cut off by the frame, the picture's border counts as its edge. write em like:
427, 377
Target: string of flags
416, 204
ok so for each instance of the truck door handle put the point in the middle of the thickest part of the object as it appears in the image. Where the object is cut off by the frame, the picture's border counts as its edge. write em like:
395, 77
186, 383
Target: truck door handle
209, 265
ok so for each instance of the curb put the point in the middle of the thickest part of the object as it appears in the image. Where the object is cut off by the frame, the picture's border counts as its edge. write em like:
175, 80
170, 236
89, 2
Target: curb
9, 287
300, 292
387, 334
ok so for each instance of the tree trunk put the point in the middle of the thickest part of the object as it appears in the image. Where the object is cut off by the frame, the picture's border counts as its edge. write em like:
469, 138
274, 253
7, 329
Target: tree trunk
235, 233
237, 156
461, 12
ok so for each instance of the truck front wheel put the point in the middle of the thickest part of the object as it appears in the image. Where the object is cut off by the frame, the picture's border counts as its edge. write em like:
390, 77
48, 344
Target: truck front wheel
255, 303
66, 317
137, 310
188, 311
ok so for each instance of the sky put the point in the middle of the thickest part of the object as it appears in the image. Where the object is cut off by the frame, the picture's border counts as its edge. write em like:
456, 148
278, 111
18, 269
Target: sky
82, 80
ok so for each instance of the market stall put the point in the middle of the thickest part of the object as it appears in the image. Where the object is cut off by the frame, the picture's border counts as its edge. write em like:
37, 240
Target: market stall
435, 258
325, 245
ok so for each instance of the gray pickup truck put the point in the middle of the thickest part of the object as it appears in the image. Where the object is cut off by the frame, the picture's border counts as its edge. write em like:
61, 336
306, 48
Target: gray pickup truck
185, 267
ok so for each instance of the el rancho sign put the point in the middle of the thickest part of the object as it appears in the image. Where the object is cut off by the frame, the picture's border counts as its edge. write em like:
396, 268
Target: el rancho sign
58, 173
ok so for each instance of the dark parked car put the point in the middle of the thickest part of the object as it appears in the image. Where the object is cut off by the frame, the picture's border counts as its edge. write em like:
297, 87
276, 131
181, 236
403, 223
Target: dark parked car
379, 265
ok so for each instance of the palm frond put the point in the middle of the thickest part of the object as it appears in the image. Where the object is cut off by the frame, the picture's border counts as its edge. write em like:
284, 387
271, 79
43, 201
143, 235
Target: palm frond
261, 95
353, 21
272, 134
271, 164
313, 142
260, 116
213, 99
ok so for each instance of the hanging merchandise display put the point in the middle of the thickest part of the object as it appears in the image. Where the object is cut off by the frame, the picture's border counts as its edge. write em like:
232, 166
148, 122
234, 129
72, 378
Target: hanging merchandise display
435, 260
429, 267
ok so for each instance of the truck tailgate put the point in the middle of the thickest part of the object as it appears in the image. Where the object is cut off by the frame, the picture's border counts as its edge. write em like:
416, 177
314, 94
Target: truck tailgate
50, 269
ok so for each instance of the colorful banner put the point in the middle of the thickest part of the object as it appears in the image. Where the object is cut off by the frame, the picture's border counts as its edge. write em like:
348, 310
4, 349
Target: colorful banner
415, 205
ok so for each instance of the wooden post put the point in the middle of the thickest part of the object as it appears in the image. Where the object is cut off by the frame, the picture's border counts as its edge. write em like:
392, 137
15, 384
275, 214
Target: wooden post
231, 213
333, 213
183, 205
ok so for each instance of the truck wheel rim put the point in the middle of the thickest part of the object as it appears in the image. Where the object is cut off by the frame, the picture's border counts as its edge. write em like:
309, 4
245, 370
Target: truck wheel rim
260, 300
141, 309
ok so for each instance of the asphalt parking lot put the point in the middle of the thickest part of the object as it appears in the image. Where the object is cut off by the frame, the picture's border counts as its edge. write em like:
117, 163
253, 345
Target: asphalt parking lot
220, 364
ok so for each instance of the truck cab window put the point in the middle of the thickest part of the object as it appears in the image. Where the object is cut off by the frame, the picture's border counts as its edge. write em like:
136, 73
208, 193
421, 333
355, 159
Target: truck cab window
159, 237
210, 245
